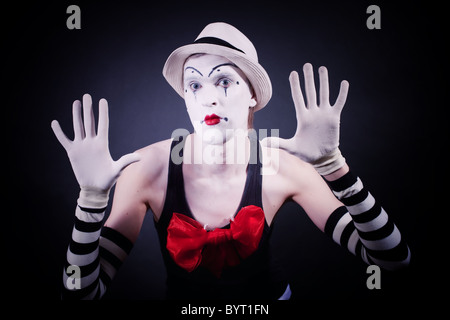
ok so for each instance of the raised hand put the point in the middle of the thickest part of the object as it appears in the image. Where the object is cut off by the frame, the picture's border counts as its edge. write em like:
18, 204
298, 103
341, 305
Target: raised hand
89, 152
316, 139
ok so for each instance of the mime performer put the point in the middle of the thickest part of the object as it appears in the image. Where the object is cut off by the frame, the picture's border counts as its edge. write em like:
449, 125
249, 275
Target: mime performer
214, 193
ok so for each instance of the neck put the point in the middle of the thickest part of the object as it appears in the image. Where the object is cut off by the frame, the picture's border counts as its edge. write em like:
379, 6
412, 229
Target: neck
224, 157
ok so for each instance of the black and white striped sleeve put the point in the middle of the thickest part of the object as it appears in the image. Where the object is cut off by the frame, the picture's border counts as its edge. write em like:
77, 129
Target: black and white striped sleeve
363, 227
94, 255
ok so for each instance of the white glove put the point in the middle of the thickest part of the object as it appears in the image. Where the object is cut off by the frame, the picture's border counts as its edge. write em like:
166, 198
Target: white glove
316, 139
95, 170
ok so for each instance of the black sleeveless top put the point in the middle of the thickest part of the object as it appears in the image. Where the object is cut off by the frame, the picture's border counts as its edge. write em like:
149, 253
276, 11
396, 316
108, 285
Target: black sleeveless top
256, 277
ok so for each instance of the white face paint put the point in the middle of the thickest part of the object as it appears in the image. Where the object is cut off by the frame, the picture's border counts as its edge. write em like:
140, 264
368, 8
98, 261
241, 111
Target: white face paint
217, 97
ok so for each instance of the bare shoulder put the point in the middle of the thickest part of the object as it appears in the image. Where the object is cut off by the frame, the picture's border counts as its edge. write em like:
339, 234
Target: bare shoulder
289, 178
281, 165
154, 158
284, 177
145, 181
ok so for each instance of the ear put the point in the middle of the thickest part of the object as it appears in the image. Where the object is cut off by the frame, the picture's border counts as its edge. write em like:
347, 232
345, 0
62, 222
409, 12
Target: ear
253, 102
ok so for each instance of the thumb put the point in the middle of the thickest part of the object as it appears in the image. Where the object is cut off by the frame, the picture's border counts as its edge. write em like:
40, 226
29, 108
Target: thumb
127, 159
275, 142
62, 138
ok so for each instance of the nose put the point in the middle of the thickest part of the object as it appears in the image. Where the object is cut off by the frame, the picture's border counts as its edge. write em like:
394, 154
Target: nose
208, 96
210, 104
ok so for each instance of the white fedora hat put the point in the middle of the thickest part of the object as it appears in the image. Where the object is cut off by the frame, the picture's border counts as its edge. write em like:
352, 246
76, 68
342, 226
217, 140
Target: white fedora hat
222, 39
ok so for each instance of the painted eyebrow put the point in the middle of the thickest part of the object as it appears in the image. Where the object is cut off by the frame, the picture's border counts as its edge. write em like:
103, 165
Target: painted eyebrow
194, 70
221, 65
221, 75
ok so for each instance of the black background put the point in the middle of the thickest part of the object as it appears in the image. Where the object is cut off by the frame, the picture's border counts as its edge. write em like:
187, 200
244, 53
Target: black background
386, 127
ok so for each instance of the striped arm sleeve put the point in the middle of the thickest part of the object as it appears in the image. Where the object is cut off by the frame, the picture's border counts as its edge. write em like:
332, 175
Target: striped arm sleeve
94, 255
363, 227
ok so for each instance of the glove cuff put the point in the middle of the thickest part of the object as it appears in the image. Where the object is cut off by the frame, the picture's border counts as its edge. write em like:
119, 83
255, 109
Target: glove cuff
329, 163
93, 198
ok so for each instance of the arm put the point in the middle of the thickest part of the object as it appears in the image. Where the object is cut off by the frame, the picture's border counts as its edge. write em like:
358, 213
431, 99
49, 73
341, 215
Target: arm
350, 216
97, 252
380, 241
362, 226
100, 251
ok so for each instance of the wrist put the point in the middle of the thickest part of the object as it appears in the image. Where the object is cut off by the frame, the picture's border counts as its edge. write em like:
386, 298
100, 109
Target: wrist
338, 173
93, 198
329, 163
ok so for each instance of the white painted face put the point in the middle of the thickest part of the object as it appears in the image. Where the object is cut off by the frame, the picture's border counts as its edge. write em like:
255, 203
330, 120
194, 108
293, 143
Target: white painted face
217, 96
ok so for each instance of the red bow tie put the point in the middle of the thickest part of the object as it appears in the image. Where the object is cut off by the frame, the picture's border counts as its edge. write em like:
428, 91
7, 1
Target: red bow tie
190, 245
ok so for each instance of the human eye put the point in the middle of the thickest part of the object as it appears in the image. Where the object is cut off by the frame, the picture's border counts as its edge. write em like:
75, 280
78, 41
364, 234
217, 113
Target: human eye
224, 82
194, 86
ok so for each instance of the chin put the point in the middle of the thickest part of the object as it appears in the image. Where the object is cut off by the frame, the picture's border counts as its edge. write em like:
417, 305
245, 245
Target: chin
214, 135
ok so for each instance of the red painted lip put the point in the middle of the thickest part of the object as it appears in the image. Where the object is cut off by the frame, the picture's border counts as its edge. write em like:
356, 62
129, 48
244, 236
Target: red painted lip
212, 119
